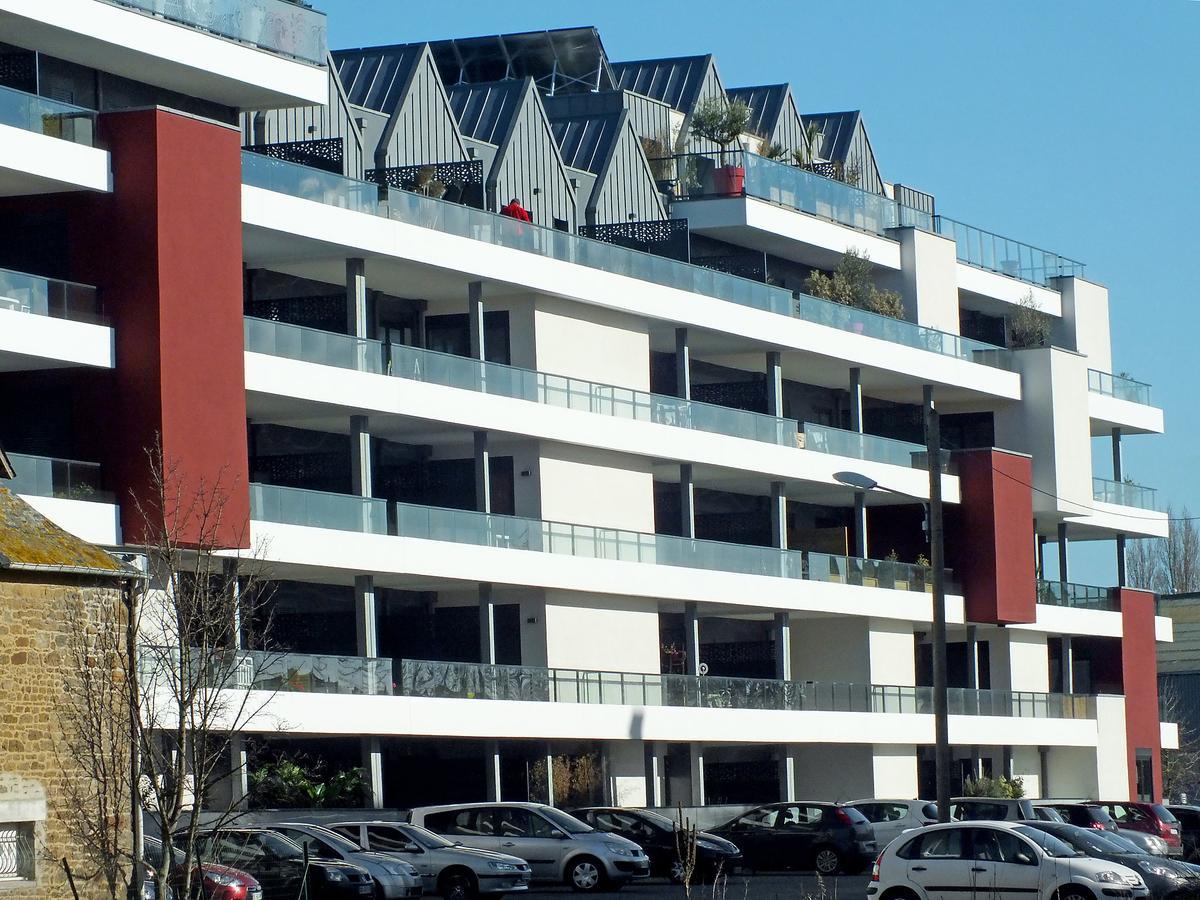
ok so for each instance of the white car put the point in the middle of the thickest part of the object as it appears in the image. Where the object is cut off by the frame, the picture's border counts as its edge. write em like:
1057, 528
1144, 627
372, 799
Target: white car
998, 860
891, 818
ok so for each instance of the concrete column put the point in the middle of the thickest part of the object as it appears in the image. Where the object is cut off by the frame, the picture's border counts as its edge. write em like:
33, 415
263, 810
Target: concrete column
783, 646
1044, 772
779, 515
856, 400
972, 658
656, 774
774, 384
1121, 576
475, 317
487, 625
787, 772
491, 762
358, 316
697, 774
860, 524
683, 365
372, 759
1068, 665
229, 568
365, 622
1007, 760
1062, 552
976, 761
360, 456
691, 626
687, 501
483, 473
1041, 555
239, 782
1118, 463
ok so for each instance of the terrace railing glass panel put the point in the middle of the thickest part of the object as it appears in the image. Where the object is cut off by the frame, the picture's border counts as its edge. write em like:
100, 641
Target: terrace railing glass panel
42, 115
21, 292
1118, 386
1082, 596
160, 668
289, 29
840, 442
986, 250
313, 345
66, 479
475, 681
1122, 493
317, 509
308, 183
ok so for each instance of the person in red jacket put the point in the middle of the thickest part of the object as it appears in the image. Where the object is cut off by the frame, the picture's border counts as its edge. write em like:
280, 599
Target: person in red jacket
515, 210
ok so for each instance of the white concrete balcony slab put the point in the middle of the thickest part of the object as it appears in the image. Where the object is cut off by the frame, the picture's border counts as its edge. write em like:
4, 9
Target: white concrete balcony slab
46, 147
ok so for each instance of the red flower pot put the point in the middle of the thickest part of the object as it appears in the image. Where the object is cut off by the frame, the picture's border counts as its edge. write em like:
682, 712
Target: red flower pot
729, 180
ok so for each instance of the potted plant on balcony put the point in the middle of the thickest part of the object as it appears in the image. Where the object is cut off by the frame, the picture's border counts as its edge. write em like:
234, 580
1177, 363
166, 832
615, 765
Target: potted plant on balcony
723, 123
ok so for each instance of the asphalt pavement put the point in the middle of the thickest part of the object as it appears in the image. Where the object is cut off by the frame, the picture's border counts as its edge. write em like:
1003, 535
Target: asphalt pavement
780, 886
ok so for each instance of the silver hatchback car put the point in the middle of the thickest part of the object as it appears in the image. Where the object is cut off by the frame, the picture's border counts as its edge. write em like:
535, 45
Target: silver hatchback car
891, 818
558, 847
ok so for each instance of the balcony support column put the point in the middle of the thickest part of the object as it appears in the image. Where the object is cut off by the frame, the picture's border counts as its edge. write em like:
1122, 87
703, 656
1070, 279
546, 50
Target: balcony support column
774, 384
787, 773
656, 774
860, 525
972, 658
475, 319
365, 624
372, 760
1121, 575
856, 400
239, 782
783, 646
1068, 665
549, 774
1062, 554
358, 316
491, 761
229, 568
1044, 772
360, 456
483, 473
691, 628
487, 625
1041, 555
687, 501
697, 760
683, 365
779, 537
1119, 476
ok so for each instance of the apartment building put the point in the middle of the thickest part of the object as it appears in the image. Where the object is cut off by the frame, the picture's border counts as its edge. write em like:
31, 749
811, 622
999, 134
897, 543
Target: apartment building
553, 507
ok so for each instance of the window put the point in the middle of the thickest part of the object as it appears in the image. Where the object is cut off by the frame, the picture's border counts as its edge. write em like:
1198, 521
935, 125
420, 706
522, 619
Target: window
473, 822
946, 843
980, 812
388, 839
1002, 847
316, 847
521, 823
1144, 768
623, 823
17, 858
799, 816
758, 820
874, 812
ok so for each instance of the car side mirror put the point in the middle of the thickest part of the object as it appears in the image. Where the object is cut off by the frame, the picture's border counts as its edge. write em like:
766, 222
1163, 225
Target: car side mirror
561, 836
411, 848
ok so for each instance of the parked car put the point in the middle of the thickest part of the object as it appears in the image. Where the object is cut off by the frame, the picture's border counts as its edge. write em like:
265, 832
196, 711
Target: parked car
558, 847
394, 878
1082, 814
1166, 878
656, 835
1144, 841
278, 865
210, 881
891, 818
1152, 818
996, 859
1189, 829
827, 837
452, 870
992, 809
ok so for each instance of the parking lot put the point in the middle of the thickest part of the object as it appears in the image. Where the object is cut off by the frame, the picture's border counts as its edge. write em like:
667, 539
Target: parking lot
776, 886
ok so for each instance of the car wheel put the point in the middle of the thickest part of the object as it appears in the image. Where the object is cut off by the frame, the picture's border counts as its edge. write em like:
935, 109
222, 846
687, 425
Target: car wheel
1074, 892
827, 861
585, 874
458, 886
676, 872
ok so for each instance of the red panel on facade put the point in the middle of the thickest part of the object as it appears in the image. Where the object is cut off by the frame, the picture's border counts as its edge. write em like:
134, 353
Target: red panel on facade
1139, 663
165, 248
989, 536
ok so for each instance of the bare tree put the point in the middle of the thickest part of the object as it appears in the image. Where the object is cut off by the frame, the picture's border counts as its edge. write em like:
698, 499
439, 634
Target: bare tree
1142, 564
1169, 565
1180, 768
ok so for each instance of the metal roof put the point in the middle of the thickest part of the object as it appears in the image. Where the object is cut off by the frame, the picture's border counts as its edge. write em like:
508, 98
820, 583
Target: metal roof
675, 81
585, 136
563, 60
375, 77
837, 133
766, 104
30, 542
484, 111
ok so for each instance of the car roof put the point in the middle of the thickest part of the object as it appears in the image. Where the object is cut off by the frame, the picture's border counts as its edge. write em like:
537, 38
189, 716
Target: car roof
363, 822
886, 800
510, 804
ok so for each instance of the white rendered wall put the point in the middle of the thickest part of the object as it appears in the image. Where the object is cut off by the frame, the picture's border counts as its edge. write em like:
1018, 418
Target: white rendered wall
831, 649
29, 341
598, 345
35, 163
1071, 773
894, 771
929, 278
1112, 747
627, 773
601, 633
1027, 765
1029, 662
97, 523
1084, 326
591, 487
892, 652
836, 772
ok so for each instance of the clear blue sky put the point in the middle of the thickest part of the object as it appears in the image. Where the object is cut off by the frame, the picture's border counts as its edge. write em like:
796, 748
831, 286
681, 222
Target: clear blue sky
1069, 124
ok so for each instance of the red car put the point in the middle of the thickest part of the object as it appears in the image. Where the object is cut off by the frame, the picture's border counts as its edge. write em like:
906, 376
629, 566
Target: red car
1152, 818
223, 883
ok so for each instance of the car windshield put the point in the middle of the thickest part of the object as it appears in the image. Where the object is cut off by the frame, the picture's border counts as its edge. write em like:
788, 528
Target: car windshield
316, 832
1163, 813
1048, 842
1087, 840
251, 845
426, 838
569, 824
1126, 845
657, 820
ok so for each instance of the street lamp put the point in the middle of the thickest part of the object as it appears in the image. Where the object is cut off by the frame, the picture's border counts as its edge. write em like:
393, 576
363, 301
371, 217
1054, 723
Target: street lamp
941, 714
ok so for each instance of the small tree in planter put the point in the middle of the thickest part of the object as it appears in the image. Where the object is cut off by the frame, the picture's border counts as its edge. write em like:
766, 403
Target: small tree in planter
722, 123
1028, 326
850, 284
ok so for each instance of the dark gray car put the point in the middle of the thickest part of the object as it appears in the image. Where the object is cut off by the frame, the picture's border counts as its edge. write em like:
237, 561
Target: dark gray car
394, 879
452, 870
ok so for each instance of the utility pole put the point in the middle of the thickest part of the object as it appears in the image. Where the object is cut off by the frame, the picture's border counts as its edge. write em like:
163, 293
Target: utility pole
941, 714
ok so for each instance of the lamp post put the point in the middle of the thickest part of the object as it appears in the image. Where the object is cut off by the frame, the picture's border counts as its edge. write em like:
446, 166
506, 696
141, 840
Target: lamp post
941, 713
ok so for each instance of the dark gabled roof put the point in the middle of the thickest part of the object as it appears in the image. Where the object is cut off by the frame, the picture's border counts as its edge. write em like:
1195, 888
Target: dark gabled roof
376, 77
674, 81
485, 111
766, 104
837, 130
585, 139
562, 60
30, 542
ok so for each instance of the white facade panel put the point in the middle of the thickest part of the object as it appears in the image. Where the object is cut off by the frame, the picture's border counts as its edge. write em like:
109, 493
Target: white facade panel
1007, 289
29, 341
601, 634
98, 523
33, 163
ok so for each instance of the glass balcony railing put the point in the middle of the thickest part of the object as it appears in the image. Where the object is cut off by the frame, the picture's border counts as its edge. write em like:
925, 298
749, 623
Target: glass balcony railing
308, 183
312, 345
1118, 386
573, 393
66, 479
899, 331
592, 542
1081, 596
840, 442
42, 115
317, 509
1122, 493
986, 250
263, 670
473, 681
280, 26
700, 175
40, 296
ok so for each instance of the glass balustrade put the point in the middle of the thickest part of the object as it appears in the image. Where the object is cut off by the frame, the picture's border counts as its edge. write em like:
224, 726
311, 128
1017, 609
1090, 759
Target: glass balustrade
1119, 386
20, 292
312, 345
66, 479
42, 115
308, 183
161, 668
840, 442
986, 250
280, 26
1124, 493
475, 681
1082, 596
317, 509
